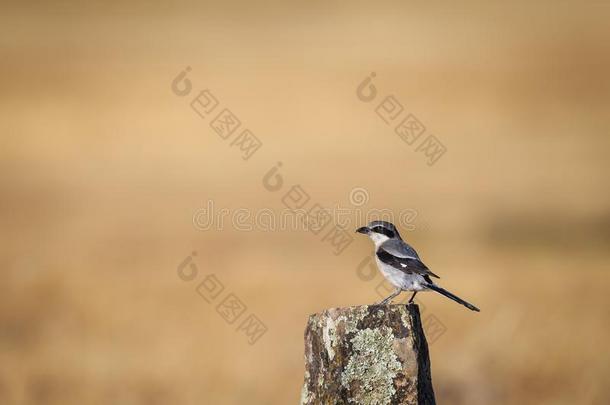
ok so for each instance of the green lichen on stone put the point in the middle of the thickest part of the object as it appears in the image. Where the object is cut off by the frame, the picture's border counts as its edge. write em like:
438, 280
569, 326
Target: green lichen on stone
405, 316
304, 391
329, 336
370, 372
330, 323
320, 380
369, 355
351, 322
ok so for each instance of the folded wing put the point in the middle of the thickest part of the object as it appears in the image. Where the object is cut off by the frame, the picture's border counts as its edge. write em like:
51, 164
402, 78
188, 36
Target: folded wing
402, 259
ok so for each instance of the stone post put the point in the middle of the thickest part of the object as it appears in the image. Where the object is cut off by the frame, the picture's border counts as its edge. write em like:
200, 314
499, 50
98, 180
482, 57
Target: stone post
369, 355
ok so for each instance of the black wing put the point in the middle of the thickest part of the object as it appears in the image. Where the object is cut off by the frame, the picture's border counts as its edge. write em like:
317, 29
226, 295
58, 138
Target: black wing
409, 265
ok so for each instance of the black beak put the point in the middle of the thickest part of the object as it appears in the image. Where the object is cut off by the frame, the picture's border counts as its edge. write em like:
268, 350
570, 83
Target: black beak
363, 230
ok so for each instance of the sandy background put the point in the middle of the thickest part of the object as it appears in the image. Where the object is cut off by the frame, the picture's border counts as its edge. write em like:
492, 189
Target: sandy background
103, 168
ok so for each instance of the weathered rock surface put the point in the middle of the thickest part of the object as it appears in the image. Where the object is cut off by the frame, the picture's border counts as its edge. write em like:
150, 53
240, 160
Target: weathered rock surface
370, 355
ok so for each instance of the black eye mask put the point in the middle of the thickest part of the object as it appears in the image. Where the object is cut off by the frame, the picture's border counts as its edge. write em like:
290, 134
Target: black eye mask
384, 231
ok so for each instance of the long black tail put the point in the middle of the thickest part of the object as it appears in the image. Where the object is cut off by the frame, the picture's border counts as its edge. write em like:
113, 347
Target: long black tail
453, 297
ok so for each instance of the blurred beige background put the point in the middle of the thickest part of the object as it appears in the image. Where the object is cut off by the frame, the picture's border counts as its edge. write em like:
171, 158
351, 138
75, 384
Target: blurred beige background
104, 167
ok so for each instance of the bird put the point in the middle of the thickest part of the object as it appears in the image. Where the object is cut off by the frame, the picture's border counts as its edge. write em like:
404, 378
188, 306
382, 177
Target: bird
400, 264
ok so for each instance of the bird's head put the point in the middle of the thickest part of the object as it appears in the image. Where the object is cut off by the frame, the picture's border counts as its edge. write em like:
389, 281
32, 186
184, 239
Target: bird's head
380, 231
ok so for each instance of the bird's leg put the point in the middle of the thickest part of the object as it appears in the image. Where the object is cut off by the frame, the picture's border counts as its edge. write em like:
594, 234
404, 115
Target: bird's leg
388, 299
413, 296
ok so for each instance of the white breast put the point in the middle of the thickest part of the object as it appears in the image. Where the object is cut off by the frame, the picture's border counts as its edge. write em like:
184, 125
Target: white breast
399, 279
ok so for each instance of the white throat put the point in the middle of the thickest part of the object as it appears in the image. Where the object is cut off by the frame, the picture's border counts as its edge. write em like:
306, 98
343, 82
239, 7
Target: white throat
378, 238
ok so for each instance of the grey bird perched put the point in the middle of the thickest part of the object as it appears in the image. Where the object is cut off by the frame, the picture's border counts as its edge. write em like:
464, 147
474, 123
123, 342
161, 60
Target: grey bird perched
400, 264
